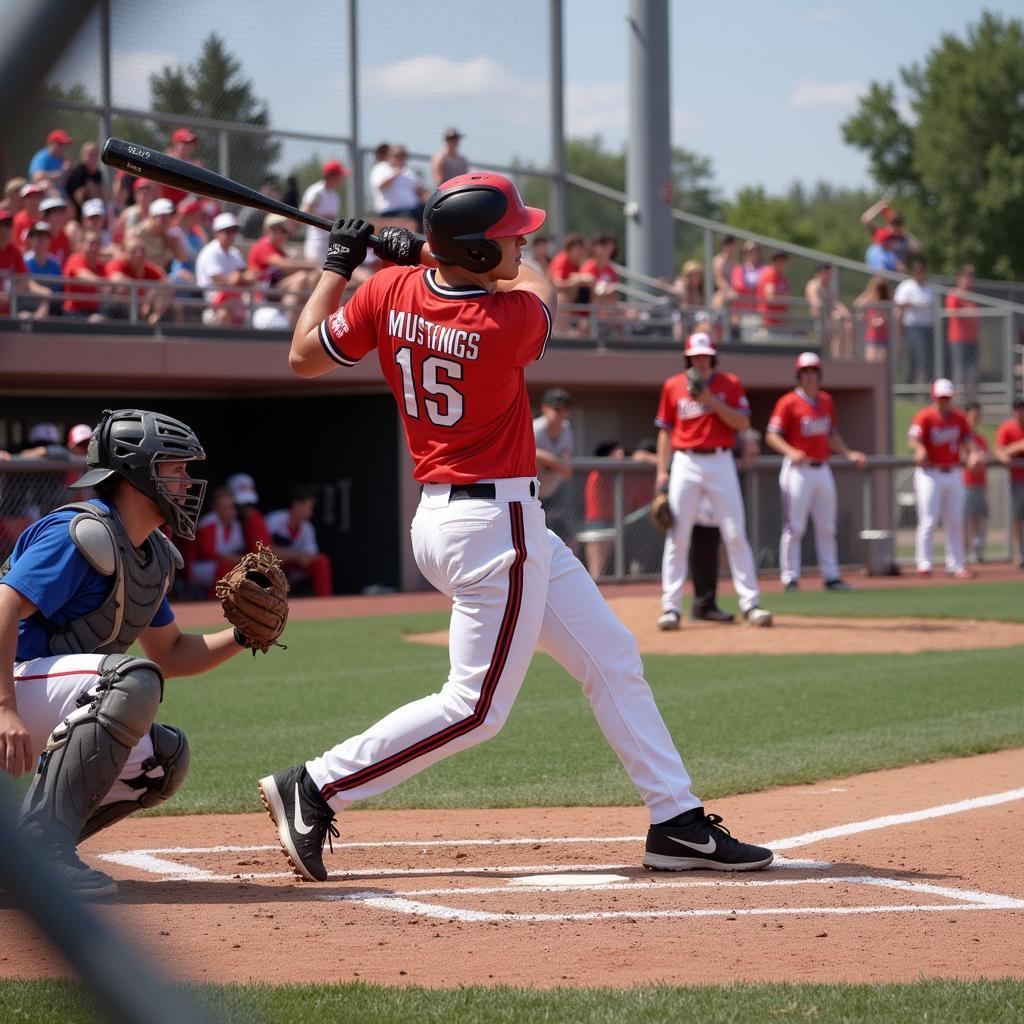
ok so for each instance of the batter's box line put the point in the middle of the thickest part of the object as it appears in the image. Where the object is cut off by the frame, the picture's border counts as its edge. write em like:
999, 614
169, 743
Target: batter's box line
961, 899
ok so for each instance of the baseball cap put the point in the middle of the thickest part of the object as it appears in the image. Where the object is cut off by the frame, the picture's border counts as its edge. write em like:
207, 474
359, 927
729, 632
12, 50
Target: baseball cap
808, 359
79, 434
191, 205
53, 203
243, 487
452, 133
44, 433
273, 219
93, 208
6, 217
184, 135
161, 207
699, 344
58, 135
41, 227
223, 221
31, 189
556, 396
15, 185
334, 167
943, 388
142, 183
882, 235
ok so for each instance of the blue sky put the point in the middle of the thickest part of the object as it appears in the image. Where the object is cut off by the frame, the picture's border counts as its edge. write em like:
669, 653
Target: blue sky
760, 88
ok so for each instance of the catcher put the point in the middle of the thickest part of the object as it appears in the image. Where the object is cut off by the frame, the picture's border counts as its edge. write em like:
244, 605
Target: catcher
81, 585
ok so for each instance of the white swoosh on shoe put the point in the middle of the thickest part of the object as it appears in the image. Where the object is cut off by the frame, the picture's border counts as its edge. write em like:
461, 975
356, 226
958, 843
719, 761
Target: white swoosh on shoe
303, 829
709, 847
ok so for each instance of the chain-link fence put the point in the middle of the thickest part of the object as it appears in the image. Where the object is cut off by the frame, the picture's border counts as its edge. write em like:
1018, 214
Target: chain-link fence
29, 488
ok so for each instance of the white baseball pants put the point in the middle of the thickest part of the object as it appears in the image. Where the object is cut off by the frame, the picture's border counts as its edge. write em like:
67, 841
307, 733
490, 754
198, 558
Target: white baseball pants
513, 585
808, 492
691, 477
940, 498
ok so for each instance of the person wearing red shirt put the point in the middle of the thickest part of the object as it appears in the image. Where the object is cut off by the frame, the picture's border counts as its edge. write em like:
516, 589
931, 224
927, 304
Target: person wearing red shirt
294, 539
85, 266
219, 542
1010, 452
31, 199
183, 147
962, 331
599, 507
152, 303
12, 263
572, 285
699, 414
271, 265
56, 213
975, 490
938, 435
599, 268
803, 430
453, 341
745, 277
772, 283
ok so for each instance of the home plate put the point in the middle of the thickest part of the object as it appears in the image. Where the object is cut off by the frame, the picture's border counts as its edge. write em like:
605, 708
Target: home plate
575, 879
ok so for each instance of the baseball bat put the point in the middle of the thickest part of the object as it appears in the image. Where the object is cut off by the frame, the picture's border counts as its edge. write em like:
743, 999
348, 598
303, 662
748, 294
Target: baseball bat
169, 170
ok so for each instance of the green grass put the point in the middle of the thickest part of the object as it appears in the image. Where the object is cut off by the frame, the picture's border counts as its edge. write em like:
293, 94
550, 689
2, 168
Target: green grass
974, 1002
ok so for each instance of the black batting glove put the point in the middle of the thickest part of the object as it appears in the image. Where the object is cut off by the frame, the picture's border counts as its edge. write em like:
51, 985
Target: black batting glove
399, 245
346, 249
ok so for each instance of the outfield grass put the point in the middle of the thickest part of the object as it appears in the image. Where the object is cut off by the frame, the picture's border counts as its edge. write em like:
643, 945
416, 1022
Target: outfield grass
974, 1002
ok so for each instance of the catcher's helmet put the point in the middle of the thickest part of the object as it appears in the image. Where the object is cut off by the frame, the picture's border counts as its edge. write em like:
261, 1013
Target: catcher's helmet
130, 443
466, 212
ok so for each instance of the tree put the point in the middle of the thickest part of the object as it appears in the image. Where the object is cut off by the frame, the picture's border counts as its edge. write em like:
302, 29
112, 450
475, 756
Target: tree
963, 156
213, 87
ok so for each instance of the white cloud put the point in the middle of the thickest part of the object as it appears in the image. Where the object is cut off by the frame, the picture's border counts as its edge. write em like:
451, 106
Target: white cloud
130, 71
438, 78
824, 14
826, 94
597, 109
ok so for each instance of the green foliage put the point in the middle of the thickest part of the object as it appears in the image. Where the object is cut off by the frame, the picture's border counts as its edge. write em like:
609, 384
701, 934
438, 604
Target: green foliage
963, 156
29, 134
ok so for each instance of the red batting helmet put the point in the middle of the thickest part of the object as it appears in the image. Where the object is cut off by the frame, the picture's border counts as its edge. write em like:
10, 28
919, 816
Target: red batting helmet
808, 361
467, 212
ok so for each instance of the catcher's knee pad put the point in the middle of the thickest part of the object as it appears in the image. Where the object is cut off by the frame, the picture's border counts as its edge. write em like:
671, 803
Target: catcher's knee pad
129, 695
171, 755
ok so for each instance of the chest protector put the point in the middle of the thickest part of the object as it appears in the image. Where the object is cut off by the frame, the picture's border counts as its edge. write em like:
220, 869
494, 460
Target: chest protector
140, 579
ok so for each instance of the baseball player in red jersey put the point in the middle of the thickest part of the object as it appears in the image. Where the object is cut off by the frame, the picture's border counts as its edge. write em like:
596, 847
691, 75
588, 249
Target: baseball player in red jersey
938, 434
975, 489
453, 327
699, 413
1010, 451
803, 430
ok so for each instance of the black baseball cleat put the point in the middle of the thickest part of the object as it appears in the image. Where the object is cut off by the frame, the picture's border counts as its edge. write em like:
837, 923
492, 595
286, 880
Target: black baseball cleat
696, 840
791, 587
712, 615
303, 818
85, 882
837, 584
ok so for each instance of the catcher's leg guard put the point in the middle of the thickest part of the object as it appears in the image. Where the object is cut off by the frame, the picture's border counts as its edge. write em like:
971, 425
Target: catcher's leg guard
171, 754
87, 752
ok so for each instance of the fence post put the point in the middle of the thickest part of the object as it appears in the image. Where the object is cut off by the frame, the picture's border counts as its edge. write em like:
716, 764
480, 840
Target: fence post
223, 160
620, 529
709, 265
355, 191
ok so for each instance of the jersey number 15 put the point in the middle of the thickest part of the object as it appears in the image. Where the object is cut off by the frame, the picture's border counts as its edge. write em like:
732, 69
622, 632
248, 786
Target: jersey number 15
445, 406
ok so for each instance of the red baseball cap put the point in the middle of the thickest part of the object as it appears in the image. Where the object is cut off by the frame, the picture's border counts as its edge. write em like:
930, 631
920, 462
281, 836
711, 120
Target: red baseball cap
142, 183
699, 344
334, 167
883, 235
58, 135
79, 434
5, 215
184, 135
187, 206
808, 360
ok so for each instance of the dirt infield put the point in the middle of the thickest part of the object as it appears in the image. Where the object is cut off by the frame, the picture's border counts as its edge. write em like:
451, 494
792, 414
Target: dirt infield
907, 873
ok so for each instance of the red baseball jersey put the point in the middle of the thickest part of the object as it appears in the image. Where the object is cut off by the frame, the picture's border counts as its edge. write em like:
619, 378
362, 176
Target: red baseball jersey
941, 436
454, 360
976, 477
1010, 431
694, 425
805, 423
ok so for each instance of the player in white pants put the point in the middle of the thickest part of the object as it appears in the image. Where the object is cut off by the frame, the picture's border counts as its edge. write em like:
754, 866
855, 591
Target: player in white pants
803, 430
938, 435
453, 342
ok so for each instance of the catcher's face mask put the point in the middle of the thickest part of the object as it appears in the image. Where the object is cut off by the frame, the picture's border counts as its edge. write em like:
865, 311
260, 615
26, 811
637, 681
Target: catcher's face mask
178, 496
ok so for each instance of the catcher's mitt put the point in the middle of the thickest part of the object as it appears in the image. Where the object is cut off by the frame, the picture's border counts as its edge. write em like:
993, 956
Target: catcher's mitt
660, 513
254, 595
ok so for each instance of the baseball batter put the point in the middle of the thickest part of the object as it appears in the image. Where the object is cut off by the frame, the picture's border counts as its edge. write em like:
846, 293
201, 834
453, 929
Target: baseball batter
453, 342
81, 585
939, 435
803, 430
698, 416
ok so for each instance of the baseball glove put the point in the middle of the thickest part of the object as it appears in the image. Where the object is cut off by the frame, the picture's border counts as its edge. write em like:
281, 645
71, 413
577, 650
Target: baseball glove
660, 513
254, 596
695, 383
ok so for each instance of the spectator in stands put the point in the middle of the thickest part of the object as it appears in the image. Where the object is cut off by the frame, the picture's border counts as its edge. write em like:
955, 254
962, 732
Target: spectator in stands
94, 218
397, 189
254, 526
552, 433
574, 287
31, 198
44, 442
538, 256
85, 179
1010, 452
11, 263
963, 331
975, 490
745, 278
56, 212
220, 268
49, 167
40, 262
78, 439
689, 285
771, 285
270, 264
599, 508
904, 244
182, 147
876, 312
294, 541
915, 323
881, 254
323, 200
722, 267
194, 236
11, 202
831, 314
220, 542
598, 266
88, 268
143, 193
250, 221
151, 304
448, 162
163, 239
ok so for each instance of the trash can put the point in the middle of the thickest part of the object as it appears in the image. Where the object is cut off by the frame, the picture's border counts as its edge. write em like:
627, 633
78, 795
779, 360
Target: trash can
878, 552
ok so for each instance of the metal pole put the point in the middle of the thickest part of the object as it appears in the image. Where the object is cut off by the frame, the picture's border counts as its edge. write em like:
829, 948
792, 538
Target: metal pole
559, 213
1008, 382
709, 266
356, 205
223, 160
106, 92
649, 158
620, 530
